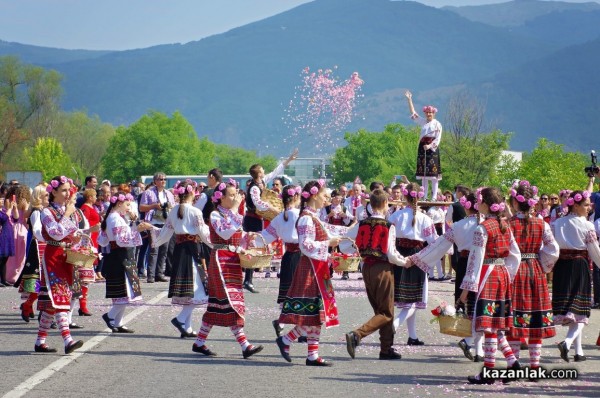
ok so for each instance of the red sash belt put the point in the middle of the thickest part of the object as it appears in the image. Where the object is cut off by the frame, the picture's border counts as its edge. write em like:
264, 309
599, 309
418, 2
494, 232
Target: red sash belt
114, 246
426, 140
464, 253
409, 243
292, 247
182, 238
570, 254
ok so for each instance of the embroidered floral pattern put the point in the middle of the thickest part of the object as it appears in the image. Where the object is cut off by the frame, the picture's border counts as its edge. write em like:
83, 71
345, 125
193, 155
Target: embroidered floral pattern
490, 309
522, 320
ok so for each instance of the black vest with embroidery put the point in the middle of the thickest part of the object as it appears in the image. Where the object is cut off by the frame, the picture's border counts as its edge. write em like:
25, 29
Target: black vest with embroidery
372, 237
249, 202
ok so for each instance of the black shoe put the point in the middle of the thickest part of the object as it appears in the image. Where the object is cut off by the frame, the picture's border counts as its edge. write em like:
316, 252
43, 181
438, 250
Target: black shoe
524, 346
108, 321
180, 326
277, 327
83, 313
465, 349
251, 350
250, 288
282, 348
318, 362
351, 343
414, 342
161, 279
580, 358
43, 348
477, 358
596, 306
302, 339
204, 350
515, 366
391, 354
123, 329
188, 334
479, 379
564, 351
73, 346
75, 326
345, 277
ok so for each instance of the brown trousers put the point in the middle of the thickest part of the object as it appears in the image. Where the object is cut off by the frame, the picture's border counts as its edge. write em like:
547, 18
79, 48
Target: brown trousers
379, 282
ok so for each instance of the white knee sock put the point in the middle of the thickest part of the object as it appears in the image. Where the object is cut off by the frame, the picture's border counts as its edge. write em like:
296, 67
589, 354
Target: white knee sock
185, 317
402, 315
574, 330
434, 188
577, 343
411, 324
70, 313
116, 313
478, 343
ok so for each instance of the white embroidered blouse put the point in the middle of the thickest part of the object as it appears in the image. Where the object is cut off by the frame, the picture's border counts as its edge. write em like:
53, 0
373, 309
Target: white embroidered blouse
423, 230
119, 231
191, 224
309, 246
577, 233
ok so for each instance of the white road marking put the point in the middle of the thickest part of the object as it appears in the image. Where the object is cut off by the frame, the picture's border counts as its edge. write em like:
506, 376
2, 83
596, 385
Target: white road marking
63, 361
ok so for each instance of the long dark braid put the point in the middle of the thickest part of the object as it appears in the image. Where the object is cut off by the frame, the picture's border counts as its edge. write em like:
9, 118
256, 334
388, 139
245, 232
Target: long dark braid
412, 200
492, 196
183, 193
526, 193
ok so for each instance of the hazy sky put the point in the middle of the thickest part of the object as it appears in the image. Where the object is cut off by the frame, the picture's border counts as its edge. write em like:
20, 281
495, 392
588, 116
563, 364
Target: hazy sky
127, 24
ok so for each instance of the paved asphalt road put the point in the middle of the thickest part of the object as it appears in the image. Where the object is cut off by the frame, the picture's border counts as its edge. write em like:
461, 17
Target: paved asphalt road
156, 362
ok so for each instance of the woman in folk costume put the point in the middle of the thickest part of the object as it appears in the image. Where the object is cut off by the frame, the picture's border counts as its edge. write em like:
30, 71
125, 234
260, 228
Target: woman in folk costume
531, 305
94, 220
461, 235
119, 268
571, 282
310, 300
30, 277
226, 305
15, 264
186, 286
493, 263
253, 222
413, 229
283, 227
60, 222
428, 156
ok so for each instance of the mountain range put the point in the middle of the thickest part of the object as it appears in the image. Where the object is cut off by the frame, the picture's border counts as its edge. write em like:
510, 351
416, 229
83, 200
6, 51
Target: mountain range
532, 63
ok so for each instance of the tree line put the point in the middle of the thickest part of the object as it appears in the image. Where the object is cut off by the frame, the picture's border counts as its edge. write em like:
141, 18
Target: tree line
36, 134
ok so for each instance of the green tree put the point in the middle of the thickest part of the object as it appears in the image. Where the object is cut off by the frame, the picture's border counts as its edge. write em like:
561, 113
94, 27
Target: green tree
157, 142
233, 160
47, 156
551, 168
376, 156
29, 96
85, 138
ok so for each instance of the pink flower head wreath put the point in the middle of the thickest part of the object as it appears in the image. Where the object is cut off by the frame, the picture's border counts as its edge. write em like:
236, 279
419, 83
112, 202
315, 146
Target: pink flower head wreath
121, 198
218, 194
578, 198
520, 198
56, 183
180, 190
429, 108
414, 194
465, 203
314, 190
294, 191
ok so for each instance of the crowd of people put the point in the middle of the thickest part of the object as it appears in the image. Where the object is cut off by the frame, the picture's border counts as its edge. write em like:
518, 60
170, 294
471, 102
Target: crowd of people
521, 262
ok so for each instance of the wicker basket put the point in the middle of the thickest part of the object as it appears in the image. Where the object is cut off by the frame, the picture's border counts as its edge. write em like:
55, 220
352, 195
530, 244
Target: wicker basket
274, 200
258, 257
455, 326
80, 260
349, 264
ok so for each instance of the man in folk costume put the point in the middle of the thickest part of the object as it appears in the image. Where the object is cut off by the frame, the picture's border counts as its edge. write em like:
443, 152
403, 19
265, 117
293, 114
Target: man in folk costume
428, 157
59, 230
253, 222
376, 241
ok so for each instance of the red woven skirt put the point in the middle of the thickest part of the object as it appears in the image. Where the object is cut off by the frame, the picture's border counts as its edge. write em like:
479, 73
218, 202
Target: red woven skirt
493, 306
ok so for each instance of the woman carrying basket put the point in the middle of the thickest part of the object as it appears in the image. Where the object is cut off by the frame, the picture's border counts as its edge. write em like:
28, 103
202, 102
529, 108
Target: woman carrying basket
119, 268
226, 306
188, 275
310, 300
59, 230
531, 305
493, 262
460, 235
